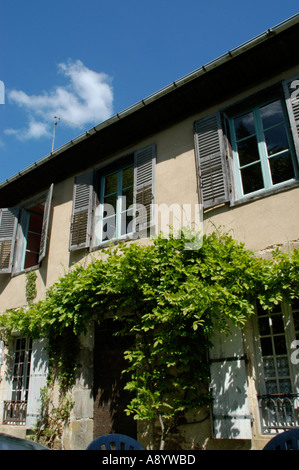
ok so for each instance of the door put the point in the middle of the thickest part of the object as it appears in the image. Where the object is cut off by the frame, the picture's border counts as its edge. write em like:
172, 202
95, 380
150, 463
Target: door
110, 398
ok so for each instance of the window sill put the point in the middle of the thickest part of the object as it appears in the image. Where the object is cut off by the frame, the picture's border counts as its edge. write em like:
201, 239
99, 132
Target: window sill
266, 193
25, 271
129, 237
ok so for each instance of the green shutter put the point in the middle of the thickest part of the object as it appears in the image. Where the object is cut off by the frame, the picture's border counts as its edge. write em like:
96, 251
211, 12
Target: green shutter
81, 224
8, 225
45, 227
211, 161
144, 180
291, 92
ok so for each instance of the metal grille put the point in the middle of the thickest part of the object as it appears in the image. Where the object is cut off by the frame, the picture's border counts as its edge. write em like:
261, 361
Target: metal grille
15, 412
279, 412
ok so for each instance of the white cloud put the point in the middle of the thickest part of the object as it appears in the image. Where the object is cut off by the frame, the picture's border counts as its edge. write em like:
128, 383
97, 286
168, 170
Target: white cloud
35, 130
87, 99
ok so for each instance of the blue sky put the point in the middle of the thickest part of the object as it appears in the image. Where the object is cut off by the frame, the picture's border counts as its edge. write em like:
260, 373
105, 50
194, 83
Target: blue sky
85, 61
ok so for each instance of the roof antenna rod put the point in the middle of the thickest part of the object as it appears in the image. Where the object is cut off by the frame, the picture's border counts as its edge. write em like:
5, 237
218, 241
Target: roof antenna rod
56, 118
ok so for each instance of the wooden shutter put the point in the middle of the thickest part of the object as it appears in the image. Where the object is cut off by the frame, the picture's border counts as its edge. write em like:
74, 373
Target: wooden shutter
230, 409
45, 227
80, 236
211, 161
8, 226
37, 380
144, 177
291, 91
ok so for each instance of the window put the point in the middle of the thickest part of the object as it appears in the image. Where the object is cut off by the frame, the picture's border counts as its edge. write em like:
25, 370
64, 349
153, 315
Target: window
15, 410
21, 369
115, 201
116, 198
262, 148
249, 148
32, 240
23, 234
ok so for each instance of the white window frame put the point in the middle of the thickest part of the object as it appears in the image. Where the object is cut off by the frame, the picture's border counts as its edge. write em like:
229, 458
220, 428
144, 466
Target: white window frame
264, 158
120, 212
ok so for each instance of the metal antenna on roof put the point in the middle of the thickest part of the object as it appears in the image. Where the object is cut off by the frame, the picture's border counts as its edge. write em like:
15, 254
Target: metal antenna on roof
56, 118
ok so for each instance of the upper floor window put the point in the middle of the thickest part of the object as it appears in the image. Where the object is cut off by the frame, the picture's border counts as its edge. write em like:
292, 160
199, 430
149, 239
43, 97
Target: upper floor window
116, 198
249, 148
262, 148
114, 202
23, 234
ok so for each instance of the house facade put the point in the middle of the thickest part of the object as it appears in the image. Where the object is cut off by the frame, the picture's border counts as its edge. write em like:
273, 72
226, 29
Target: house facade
223, 141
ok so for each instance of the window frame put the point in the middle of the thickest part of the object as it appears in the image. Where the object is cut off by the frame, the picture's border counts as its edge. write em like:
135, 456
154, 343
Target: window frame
23, 390
290, 336
118, 213
18, 231
264, 158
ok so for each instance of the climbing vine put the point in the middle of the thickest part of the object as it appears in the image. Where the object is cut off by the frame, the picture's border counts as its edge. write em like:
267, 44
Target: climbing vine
31, 291
170, 300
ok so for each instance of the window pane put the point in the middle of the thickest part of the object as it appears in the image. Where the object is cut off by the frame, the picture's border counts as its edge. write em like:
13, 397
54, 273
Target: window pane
35, 223
31, 259
277, 324
248, 151
111, 200
282, 366
128, 195
264, 326
252, 178
111, 184
296, 320
281, 168
271, 387
244, 126
269, 368
272, 114
33, 242
285, 386
276, 140
128, 176
267, 349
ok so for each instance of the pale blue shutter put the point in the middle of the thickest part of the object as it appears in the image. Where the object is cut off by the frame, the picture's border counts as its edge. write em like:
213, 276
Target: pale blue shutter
230, 410
291, 91
45, 227
81, 225
37, 380
144, 181
211, 167
8, 226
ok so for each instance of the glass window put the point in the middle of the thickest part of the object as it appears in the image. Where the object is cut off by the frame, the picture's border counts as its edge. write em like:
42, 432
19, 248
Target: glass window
262, 148
275, 360
33, 235
21, 369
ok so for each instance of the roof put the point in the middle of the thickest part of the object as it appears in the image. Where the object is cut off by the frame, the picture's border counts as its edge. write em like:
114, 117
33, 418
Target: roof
268, 54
